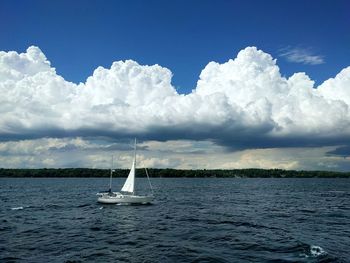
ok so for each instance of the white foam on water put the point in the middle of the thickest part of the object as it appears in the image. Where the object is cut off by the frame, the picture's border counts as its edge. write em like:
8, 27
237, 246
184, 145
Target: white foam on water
316, 251
17, 208
101, 207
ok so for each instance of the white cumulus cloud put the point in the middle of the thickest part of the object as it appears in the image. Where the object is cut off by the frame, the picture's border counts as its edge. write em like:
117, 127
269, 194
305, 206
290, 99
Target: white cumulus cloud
244, 103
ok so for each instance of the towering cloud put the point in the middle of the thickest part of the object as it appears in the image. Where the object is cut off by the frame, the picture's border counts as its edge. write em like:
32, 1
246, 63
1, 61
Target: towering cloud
243, 103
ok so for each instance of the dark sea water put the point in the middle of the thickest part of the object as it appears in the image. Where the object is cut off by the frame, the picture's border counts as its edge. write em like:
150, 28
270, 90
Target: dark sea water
192, 220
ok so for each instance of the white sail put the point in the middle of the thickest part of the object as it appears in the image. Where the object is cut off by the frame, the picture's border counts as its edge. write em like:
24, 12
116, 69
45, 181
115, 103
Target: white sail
130, 181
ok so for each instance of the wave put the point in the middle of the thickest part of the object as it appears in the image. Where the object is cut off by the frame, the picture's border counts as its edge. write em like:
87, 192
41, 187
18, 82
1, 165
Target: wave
54, 206
17, 208
84, 205
230, 222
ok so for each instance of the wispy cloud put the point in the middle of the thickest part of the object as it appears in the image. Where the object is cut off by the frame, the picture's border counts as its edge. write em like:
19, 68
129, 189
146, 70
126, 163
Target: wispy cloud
301, 55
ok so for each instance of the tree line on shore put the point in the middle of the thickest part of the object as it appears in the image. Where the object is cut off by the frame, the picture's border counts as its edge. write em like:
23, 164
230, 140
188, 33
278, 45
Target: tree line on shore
172, 173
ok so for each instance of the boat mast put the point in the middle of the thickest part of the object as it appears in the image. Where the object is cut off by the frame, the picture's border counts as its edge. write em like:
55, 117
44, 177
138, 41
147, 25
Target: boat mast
110, 177
135, 153
134, 160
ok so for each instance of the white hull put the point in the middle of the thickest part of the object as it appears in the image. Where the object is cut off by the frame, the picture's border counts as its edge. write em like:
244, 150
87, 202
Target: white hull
117, 198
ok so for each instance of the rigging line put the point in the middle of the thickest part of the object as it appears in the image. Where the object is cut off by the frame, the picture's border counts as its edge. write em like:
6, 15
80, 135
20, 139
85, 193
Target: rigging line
149, 181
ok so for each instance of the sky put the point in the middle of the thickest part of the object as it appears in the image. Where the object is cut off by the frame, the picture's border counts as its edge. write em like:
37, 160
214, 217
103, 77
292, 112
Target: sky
201, 84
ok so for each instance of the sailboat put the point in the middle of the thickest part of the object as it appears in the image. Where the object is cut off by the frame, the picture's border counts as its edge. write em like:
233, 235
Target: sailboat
127, 194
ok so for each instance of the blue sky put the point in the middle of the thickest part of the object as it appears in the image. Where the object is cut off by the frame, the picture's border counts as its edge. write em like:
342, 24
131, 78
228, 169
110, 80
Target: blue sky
201, 84
78, 36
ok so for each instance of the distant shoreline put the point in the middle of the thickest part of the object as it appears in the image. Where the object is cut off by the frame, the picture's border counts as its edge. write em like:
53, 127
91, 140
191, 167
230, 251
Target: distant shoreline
170, 173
